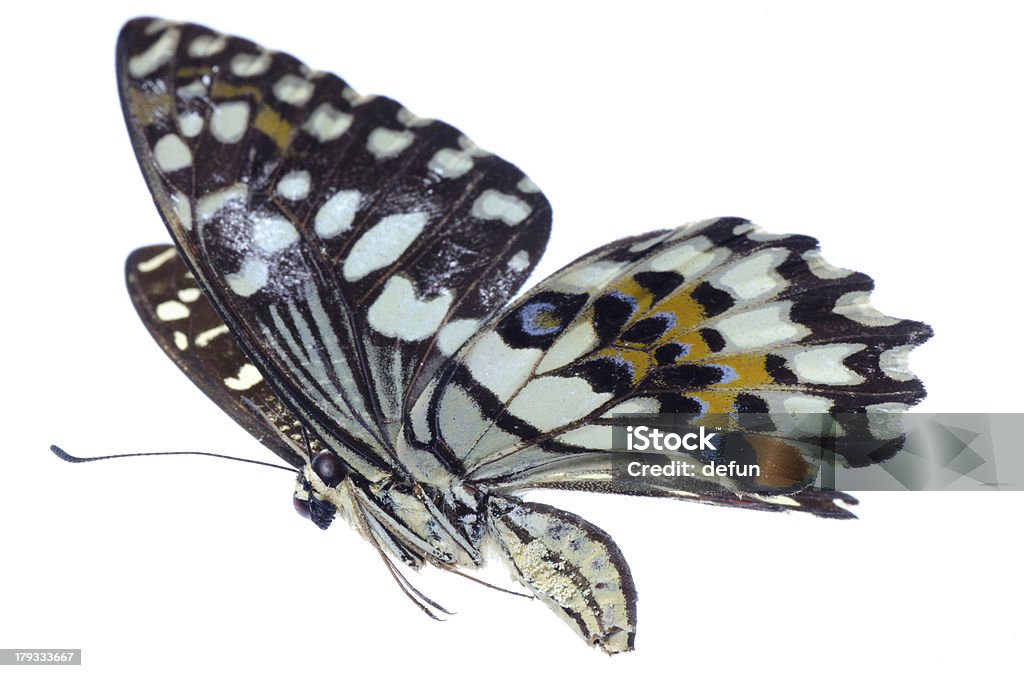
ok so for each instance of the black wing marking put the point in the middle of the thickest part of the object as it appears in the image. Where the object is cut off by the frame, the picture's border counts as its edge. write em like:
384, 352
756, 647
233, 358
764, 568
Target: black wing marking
349, 245
191, 333
714, 318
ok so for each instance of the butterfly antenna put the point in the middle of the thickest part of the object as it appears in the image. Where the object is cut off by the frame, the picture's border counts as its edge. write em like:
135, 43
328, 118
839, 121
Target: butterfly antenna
61, 454
305, 439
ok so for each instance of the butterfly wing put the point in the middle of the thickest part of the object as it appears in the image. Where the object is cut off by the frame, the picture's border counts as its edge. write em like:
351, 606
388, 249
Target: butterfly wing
190, 332
348, 245
715, 317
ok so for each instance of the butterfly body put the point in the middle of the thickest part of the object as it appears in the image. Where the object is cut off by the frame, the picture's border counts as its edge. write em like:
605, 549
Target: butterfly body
416, 523
339, 283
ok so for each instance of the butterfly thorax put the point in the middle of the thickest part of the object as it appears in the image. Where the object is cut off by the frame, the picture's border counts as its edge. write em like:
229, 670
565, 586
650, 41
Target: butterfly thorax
410, 520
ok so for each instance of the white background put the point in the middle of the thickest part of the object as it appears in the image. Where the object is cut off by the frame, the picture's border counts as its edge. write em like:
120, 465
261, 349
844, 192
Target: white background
890, 131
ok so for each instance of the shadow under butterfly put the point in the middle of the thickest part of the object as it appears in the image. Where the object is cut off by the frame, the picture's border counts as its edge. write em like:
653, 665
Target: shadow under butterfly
338, 286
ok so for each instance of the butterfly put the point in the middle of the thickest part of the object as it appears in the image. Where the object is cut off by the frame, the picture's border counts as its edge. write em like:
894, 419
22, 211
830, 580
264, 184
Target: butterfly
342, 283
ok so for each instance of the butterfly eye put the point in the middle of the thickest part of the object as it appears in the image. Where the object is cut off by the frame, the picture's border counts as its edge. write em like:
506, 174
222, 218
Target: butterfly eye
329, 468
301, 506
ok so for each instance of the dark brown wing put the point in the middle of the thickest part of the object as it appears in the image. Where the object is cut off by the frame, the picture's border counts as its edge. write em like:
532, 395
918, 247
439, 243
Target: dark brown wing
190, 332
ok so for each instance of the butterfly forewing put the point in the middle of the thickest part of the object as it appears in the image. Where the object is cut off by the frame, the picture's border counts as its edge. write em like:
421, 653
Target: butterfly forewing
349, 245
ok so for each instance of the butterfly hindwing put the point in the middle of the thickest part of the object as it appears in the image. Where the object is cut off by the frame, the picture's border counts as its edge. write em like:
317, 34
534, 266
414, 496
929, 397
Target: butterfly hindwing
713, 318
191, 333
350, 245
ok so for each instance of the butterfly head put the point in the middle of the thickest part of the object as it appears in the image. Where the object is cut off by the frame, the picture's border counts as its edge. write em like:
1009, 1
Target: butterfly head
316, 490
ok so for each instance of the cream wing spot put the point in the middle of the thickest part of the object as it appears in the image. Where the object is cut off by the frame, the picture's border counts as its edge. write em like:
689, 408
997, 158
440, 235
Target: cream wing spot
182, 209
189, 295
821, 268
272, 233
590, 274
498, 367
291, 89
156, 262
824, 364
206, 46
685, 232
410, 119
213, 202
646, 244
578, 340
857, 307
354, 98
527, 186
190, 124
519, 262
689, 259
229, 121
249, 65
294, 185
192, 90
384, 143
248, 376
397, 311
552, 402
495, 205
336, 215
767, 326
171, 310
454, 334
755, 276
180, 340
204, 338
327, 123
251, 277
894, 363
171, 153
158, 25
805, 404
756, 233
383, 244
158, 54
450, 163
470, 147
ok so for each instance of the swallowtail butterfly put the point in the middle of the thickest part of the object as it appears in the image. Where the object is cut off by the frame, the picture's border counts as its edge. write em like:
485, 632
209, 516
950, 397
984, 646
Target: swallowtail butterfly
340, 285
